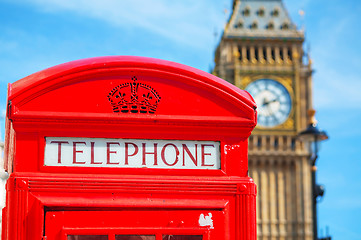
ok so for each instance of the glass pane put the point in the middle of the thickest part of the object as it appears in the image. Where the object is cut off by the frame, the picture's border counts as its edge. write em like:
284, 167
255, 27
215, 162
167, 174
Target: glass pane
87, 237
134, 237
182, 237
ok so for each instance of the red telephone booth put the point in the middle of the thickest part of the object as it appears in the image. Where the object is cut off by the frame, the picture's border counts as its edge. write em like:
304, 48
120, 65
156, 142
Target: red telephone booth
123, 148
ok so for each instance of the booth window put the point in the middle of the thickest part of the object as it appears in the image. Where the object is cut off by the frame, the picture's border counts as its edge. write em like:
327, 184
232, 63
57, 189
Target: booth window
134, 237
87, 237
182, 237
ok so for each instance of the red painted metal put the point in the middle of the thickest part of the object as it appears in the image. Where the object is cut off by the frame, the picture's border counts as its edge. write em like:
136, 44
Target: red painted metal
75, 100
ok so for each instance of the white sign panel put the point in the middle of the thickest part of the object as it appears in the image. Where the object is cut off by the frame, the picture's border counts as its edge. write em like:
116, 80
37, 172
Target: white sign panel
131, 153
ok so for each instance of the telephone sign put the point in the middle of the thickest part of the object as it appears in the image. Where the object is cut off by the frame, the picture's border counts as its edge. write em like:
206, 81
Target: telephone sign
131, 153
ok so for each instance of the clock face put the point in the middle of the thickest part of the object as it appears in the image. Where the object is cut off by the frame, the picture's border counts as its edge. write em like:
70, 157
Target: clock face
273, 102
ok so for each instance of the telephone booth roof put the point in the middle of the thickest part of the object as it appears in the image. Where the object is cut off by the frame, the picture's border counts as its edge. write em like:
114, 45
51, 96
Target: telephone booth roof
77, 90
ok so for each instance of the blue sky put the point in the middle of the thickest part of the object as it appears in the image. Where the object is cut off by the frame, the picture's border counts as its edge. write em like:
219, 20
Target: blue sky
37, 34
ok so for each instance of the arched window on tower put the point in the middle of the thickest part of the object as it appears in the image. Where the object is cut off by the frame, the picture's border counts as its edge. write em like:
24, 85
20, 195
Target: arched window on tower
259, 142
270, 26
240, 53
256, 53
239, 24
273, 54
276, 144
248, 52
254, 25
293, 144
285, 26
261, 11
275, 12
246, 12
282, 55
289, 53
264, 50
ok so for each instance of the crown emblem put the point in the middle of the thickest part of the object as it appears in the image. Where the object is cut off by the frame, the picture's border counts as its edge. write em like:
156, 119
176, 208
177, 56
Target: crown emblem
134, 97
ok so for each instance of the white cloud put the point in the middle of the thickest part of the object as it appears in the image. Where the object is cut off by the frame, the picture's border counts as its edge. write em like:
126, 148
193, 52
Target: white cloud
180, 21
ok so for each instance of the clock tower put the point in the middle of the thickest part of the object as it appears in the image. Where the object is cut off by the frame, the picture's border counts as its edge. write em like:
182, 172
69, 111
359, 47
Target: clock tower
261, 50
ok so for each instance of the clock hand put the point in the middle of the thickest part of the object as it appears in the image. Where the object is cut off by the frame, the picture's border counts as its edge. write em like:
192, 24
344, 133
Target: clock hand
274, 100
264, 102
269, 108
268, 102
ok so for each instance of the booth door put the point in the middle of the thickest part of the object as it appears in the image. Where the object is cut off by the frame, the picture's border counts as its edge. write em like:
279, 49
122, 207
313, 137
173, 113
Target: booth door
132, 225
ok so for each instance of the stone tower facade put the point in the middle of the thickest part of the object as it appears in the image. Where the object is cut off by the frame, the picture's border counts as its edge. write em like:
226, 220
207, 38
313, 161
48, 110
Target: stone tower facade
261, 50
